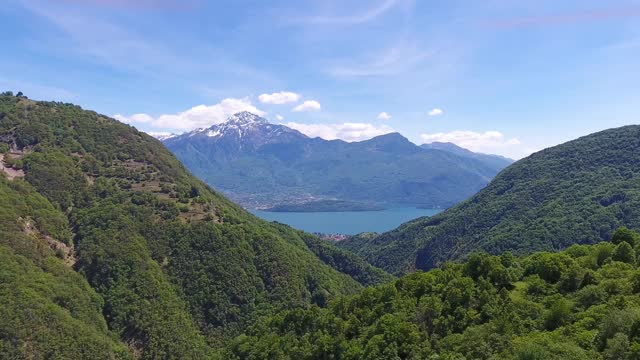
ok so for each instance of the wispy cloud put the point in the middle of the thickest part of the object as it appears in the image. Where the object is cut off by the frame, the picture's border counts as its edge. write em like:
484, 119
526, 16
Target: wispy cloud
104, 41
141, 4
401, 57
91, 34
564, 19
436, 112
364, 16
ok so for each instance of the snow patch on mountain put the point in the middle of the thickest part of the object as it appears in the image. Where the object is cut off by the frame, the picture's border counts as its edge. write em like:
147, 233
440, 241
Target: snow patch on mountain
214, 133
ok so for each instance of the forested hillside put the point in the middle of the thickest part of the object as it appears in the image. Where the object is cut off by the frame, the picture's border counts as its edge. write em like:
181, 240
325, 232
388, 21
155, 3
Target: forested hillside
47, 310
110, 248
577, 192
582, 303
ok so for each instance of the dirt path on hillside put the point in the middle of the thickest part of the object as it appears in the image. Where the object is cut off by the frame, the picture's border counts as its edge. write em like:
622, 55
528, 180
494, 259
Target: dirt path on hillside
11, 173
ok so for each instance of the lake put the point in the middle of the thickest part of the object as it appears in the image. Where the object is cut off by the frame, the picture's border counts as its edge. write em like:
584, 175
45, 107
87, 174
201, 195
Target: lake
346, 222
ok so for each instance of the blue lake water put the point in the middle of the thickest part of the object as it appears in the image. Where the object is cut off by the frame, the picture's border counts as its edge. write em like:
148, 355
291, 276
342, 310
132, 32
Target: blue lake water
347, 222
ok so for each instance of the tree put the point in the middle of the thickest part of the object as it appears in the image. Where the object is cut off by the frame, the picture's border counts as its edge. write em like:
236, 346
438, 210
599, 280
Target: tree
558, 315
589, 278
624, 253
624, 234
617, 321
532, 352
428, 311
617, 347
635, 282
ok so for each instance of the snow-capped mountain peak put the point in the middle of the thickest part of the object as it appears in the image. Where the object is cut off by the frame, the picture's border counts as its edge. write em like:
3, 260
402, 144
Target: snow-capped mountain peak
245, 118
237, 125
243, 129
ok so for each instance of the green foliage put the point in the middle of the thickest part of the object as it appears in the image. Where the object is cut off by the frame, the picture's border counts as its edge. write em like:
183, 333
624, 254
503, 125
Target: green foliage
624, 253
617, 347
344, 261
110, 249
625, 235
577, 192
496, 270
47, 310
141, 303
56, 176
558, 315
50, 312
22, 205
174, 270
459, 311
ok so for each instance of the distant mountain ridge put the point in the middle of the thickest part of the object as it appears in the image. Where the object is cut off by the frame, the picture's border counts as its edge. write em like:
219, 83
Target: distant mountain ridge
261, 165
458, 150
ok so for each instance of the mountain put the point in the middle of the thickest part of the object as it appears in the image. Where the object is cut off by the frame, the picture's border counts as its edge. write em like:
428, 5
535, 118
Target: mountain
577, 192
262, 165
110, 248
578, 304
497, 160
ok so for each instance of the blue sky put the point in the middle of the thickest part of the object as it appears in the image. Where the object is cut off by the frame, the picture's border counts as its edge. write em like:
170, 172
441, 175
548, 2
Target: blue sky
500, 76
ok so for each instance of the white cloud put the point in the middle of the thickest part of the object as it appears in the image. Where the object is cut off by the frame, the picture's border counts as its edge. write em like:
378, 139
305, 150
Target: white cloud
308, 105
436, 112
279, 117
279, 98
384, 116
344, 131
492, 142
196, 117
133, 119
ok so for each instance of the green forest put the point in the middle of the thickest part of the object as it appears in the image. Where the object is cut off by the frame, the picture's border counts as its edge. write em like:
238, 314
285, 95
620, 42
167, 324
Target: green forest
117, 245
577, 192
111, 249
581, 303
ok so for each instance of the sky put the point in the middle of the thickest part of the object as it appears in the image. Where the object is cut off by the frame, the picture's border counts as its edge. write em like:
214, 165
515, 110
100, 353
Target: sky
496, 76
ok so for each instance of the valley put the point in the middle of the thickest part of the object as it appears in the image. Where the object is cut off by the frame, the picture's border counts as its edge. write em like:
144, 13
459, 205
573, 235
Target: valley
319, 180
126, 255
